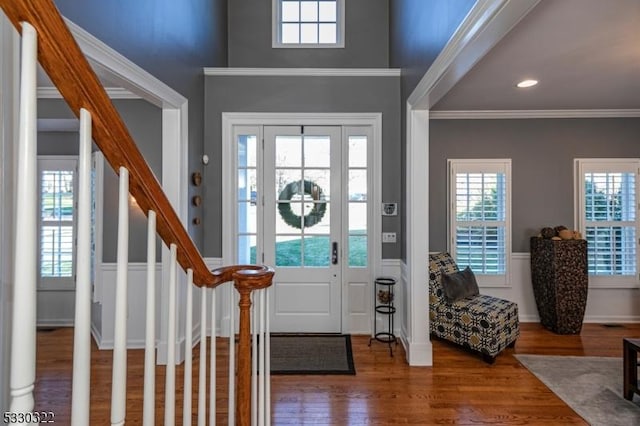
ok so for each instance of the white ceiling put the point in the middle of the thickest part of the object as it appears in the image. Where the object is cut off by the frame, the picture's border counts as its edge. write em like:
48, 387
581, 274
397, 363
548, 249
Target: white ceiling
585, 54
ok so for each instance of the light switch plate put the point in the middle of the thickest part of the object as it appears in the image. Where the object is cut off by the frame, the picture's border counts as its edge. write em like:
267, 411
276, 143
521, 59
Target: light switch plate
388, 237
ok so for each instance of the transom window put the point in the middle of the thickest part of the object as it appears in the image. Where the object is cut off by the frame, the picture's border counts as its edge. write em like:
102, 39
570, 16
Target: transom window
308, 23
479, 217
607, 194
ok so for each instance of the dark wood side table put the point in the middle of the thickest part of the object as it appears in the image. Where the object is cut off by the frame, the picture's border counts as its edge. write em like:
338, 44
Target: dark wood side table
630, 349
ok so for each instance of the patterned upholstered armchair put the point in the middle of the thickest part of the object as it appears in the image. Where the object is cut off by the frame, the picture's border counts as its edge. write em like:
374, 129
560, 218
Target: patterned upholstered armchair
481, 323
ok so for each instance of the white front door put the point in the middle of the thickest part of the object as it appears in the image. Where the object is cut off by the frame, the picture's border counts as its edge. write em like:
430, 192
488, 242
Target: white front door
302, 233
303, 208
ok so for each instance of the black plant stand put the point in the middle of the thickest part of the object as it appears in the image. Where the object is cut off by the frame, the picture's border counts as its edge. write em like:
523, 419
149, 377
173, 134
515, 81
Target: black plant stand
383, 302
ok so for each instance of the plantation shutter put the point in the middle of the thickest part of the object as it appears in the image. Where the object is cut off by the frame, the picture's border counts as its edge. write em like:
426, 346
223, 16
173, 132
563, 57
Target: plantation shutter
479, 215
609, 218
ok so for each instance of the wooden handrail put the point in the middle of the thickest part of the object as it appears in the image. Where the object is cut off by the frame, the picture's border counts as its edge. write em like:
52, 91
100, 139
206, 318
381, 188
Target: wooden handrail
69, 70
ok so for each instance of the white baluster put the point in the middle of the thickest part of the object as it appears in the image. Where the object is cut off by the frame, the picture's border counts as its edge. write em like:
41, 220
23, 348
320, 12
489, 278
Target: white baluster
232, 355
82, 324
23, 344
255, 315
149, 404
267, 349
188, 352
119, 372
212, 365
202, 373
170, 378
261, 357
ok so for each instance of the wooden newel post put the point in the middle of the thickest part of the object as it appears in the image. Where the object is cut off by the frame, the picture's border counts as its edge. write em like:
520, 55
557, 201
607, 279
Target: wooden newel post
246, 279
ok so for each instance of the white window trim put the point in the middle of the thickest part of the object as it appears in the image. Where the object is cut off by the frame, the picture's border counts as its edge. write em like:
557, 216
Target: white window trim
580, 165
57, 283
275, 30
481, 165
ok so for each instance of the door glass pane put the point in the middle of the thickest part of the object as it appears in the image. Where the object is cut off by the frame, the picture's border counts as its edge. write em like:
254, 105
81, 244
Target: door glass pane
288, 251
247, 184
247, 249
288, 184
357, 151
318, 181
247, 221
318, 220
247, 150
358, 250
288, 218
316, 251
317, 151
247, 195
357, 185
288, 151
357, 218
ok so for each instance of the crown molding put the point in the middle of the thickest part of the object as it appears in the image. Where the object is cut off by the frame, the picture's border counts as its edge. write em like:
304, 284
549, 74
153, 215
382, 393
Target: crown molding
112, 92
484, 26
304, 72
533, 113
119, 70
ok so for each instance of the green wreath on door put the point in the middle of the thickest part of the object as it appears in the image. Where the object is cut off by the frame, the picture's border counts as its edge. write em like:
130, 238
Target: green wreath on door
314, 216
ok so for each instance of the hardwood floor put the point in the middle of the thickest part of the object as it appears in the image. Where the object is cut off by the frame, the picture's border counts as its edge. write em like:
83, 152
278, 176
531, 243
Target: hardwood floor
459, 389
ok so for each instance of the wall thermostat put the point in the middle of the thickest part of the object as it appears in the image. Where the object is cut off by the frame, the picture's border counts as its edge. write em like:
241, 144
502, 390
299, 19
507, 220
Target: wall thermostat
389, 209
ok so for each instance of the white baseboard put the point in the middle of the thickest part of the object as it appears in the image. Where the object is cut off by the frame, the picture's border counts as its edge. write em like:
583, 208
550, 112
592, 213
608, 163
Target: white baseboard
55, 323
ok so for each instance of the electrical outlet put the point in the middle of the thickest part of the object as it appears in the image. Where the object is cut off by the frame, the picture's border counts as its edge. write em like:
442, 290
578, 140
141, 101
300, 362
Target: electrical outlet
388, 237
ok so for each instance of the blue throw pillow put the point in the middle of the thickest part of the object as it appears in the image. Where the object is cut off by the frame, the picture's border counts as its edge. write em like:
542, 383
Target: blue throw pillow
459, 285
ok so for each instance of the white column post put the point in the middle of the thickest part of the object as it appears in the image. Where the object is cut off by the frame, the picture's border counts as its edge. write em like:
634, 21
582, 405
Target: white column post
23, 343
82, 323
149, 403
119, 373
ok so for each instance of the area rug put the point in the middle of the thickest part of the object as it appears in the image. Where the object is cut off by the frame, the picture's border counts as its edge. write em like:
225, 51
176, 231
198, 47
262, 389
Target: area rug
311, 354
591, 386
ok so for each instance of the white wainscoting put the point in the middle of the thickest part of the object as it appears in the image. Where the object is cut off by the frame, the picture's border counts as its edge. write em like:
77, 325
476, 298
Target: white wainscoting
105, 294
604, 305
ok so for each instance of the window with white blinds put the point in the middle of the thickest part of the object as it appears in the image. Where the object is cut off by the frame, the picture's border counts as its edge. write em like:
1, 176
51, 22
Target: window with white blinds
57, 221
607, 196
479, 217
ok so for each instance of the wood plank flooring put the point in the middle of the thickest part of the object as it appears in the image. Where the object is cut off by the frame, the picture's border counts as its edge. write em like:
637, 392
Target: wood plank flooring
459, 389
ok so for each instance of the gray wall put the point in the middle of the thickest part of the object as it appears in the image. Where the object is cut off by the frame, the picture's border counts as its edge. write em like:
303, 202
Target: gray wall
144, 122
418, 31
173, 40
541, 152
299, 94
366, 38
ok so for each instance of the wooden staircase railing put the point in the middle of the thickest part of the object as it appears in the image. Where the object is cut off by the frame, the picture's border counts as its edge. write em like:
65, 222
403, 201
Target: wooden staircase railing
61, 57
69, 70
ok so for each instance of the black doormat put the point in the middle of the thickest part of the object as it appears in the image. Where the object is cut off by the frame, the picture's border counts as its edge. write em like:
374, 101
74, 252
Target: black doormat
311, 354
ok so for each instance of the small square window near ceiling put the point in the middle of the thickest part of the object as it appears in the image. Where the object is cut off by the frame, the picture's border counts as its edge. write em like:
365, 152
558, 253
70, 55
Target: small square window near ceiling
308, 23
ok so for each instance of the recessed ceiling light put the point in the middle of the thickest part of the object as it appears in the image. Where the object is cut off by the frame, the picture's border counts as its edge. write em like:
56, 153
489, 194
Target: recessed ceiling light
527, 83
